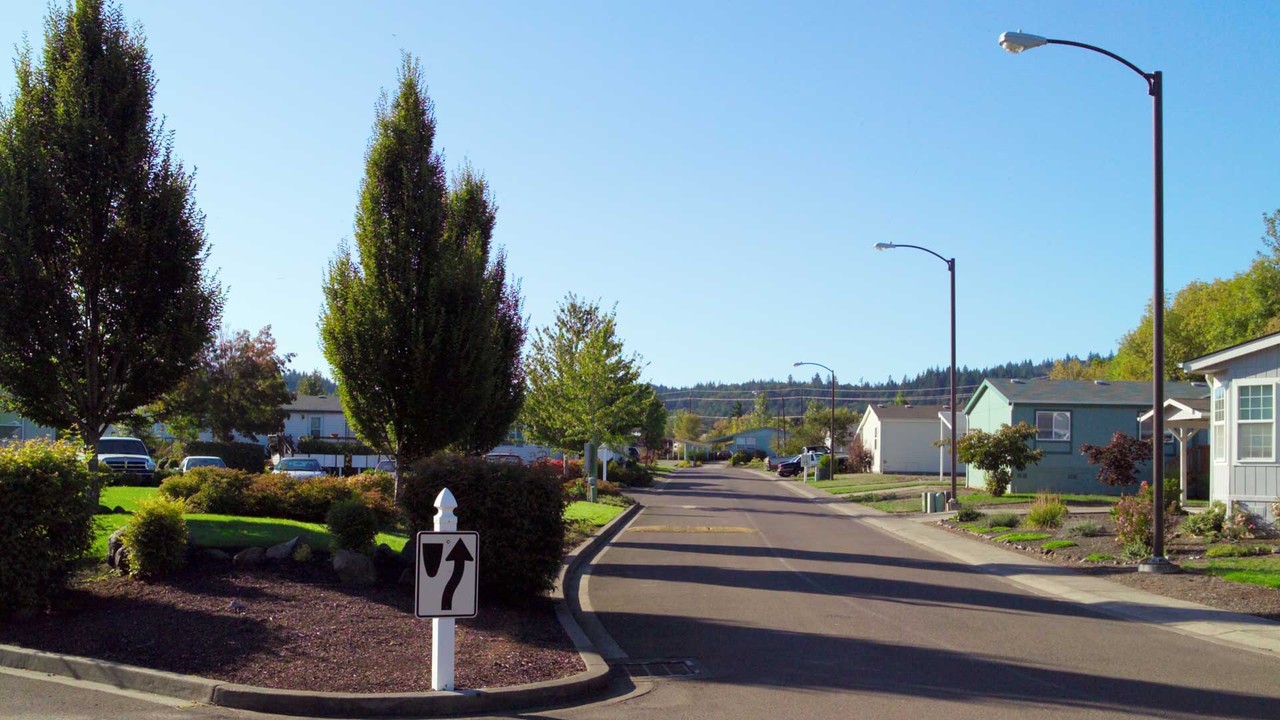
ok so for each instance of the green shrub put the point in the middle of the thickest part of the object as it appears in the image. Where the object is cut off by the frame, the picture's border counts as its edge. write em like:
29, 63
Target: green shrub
1047, 511
969, 514
742, 457
756, 464
1084, 528
314, 496
249, 457
1136, 549
271, 495
1241, 524
46, 520
517, 509
635, 476
1004, 519
222, 491
181, 487
1219, 551
352, 524
578, 489
156, 538
377, 491
1207, 524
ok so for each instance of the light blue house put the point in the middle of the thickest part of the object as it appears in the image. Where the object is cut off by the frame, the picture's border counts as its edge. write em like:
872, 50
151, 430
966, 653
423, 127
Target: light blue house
1066, 415
764, 438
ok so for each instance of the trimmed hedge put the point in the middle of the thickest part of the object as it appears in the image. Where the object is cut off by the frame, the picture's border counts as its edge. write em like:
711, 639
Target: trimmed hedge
319, 446
352, 525
46, 523
276, 495
517, 509
249, 457
156, 538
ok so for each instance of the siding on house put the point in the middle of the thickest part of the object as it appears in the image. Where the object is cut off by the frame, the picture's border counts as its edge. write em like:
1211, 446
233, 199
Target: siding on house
901, 438
1095, 412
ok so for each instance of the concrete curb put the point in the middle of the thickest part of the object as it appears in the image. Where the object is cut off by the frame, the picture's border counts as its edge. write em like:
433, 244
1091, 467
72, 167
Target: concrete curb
592, 681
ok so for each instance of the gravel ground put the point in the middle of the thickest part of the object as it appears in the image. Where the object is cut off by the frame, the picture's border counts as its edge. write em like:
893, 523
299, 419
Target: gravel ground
1187, 585
293, 627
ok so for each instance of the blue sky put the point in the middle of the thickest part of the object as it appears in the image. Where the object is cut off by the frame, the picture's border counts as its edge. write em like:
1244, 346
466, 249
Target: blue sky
721, 171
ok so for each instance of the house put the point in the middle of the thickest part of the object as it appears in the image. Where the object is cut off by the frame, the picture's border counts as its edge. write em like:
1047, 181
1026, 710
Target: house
763, 438
317, 416
902, 438
1066, 415
1186, 419
1242, 379
15, 427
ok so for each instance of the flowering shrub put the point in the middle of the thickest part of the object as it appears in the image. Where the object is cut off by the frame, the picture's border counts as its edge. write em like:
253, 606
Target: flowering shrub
1209, 523
1240, 524
1134, 516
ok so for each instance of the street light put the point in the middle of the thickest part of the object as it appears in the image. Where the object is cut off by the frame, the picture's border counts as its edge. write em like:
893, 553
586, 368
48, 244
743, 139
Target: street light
833, 412
954, 501
1016, 42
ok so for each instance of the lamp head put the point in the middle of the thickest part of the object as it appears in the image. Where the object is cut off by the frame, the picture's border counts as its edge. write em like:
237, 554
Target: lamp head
798, 364
885, 246
1016, 42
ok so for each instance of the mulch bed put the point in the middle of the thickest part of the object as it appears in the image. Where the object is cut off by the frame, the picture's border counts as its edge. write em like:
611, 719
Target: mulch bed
291, 627
1190, 584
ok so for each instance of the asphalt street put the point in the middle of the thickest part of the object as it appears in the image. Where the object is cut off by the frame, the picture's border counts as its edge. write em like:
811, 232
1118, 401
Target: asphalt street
785, 608
757, 602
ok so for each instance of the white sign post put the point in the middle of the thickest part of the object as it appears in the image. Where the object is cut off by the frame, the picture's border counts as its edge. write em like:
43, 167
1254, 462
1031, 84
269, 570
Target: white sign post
445, 584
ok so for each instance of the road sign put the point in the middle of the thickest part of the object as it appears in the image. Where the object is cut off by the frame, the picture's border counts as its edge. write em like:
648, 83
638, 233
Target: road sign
446, 579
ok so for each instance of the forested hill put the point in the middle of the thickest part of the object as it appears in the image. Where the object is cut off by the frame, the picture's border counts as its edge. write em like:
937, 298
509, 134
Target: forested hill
789, 397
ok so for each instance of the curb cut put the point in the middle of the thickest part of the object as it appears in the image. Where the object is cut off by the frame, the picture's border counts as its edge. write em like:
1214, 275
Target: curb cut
592, 681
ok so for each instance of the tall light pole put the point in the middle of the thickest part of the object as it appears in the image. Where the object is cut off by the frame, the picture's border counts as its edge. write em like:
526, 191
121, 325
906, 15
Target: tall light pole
1016, 42
833, 412
954, 501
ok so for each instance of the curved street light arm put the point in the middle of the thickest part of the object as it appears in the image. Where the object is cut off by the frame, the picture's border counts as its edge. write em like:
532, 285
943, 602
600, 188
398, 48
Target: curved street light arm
949, 261
1149, 77
824, 367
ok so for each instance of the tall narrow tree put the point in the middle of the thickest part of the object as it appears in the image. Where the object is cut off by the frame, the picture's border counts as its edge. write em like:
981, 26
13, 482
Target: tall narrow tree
105, 302
418, 324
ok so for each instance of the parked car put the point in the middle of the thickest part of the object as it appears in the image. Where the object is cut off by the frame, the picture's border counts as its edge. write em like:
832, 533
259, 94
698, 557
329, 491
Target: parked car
789, 467
300, 468
842, 458
125, 455
196, 461
386, 466
773, 461
505, 458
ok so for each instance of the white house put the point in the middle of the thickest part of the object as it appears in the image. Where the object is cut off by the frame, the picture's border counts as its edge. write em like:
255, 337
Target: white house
1244, 467
902, 438
317, 416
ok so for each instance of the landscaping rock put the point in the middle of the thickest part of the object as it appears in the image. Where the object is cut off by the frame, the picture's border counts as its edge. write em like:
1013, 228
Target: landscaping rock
120, 560
114, 543
284, 550
249, 558
409, 553
215, 555
354, 568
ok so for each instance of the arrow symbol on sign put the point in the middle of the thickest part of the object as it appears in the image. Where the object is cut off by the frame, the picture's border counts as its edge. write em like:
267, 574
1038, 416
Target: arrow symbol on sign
459, 556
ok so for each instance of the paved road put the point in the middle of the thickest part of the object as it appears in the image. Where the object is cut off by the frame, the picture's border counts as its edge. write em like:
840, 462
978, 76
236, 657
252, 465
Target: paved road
793, 610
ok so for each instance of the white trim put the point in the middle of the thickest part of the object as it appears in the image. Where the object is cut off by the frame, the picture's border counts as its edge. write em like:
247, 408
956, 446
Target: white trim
1235, 422
1206, 363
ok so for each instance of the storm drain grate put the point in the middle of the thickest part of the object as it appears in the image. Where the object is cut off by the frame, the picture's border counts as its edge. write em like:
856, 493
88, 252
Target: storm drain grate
664, 668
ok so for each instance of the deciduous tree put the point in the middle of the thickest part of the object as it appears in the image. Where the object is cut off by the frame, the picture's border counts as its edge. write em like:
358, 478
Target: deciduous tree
238, 387
105, 301
999, 454
1118, 460
583, 386
419, 324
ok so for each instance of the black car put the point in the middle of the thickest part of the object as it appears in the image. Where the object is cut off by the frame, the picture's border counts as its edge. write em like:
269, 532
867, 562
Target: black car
789, 467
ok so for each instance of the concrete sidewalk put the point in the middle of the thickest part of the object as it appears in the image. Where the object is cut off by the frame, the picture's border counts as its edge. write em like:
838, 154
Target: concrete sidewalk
1244, 631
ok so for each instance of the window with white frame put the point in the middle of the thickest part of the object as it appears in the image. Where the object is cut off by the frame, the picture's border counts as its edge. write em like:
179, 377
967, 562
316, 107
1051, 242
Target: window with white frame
315, 426
1053, 425
1144, 431
1255, 422
1219, 439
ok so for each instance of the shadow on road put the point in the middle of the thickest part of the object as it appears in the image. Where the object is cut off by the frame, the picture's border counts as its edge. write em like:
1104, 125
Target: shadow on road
765, 657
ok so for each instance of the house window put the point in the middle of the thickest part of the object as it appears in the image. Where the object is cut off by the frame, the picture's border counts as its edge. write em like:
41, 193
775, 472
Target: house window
1144, 432
1255, 422
1219, 439
875, 439
1053, 425
10, 432
315, 426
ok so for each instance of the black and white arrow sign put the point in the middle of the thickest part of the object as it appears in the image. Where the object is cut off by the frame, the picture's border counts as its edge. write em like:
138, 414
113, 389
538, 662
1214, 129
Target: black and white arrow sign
447, 573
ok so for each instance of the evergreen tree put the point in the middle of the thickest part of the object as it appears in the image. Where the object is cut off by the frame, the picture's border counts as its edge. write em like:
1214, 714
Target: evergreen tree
312, 383
418, 324
105, 303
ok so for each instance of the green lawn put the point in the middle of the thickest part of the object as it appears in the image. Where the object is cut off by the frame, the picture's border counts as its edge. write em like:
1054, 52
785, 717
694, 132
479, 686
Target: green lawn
126, 497
223, 531
1264, 571
596, 514
867, 480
